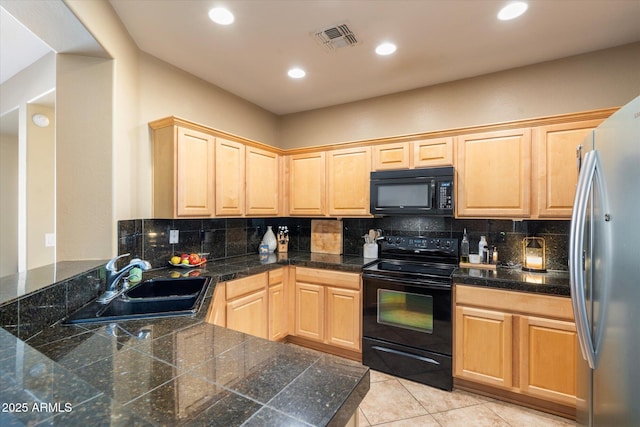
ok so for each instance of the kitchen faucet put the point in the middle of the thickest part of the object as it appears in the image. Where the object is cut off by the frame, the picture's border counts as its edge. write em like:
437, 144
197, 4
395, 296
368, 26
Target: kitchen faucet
114, 276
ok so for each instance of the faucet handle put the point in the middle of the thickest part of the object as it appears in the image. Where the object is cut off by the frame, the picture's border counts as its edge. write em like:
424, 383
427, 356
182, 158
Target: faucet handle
112, 263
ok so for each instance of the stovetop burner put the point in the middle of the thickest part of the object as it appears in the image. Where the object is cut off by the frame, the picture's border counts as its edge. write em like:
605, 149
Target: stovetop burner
419, 258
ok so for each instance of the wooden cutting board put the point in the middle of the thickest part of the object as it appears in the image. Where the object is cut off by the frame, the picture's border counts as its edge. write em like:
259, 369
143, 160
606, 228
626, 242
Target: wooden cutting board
326, 236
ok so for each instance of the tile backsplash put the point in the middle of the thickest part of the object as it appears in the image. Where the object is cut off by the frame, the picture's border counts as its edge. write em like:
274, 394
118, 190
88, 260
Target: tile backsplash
223, 238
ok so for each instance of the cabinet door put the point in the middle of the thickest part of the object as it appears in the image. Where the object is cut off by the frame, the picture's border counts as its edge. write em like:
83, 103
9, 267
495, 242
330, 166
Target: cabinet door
229, 177
548, 353
432, 152
391, 156
343, 318
248, 314
262, 191
307, 173
494, 174
557, 166
309, 317
348, 175
278, 315
483, 341
194, 173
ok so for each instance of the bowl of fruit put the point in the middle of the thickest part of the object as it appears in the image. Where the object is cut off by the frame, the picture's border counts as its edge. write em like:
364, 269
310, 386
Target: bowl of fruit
188, 260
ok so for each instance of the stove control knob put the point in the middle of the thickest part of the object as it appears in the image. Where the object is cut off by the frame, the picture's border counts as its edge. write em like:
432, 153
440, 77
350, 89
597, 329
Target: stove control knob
448, 244
398, 240
437, 243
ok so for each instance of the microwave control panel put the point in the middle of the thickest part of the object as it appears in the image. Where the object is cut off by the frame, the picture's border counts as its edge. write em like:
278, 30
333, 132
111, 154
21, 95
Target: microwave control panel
445, 195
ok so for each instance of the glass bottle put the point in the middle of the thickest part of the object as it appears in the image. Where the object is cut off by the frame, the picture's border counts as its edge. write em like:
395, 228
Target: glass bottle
464, 247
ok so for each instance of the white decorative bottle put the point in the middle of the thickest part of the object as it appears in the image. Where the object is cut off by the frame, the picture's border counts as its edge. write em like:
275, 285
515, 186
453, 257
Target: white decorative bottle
482, 246
269, 239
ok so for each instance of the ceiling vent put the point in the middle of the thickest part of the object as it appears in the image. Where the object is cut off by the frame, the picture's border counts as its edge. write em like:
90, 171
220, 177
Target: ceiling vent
336, 37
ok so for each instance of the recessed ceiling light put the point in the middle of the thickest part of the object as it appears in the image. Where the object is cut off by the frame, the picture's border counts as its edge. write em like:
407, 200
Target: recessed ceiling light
385, 48
296, 73
512, 10
221, 16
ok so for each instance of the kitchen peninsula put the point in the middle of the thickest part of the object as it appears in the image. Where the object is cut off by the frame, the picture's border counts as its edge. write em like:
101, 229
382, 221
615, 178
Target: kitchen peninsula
178, 370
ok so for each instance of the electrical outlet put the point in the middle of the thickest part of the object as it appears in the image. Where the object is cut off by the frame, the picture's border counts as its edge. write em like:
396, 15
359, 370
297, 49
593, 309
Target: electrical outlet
173, 237
49, 240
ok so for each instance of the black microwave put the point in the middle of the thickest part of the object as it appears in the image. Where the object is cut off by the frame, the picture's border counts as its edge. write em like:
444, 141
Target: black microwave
427, 191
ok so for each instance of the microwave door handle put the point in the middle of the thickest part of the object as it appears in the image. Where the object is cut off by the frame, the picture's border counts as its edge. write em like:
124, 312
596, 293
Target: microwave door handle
433, 194
576, 265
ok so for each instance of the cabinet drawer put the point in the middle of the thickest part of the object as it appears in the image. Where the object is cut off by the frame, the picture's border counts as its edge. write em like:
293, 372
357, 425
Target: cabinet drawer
276, 276
246, 285
515, 302
328, 277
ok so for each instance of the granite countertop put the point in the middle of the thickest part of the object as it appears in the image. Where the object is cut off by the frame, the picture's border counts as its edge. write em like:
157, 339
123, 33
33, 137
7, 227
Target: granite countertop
552, 282
179, 371
20, 284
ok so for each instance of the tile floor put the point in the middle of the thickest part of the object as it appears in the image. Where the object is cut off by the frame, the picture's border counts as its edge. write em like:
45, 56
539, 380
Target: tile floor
395, 402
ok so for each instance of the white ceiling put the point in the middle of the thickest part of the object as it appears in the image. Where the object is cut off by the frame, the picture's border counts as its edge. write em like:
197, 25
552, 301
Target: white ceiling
438, 41
19, 47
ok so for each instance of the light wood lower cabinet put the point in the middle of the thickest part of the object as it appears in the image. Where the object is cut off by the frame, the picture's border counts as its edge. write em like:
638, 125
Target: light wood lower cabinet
483, 339
248, 314
548, 352
328, 307
255, 305
306, 306
518, 342
310, 310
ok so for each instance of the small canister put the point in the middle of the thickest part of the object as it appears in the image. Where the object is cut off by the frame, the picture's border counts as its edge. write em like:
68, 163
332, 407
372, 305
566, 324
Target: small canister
370, 250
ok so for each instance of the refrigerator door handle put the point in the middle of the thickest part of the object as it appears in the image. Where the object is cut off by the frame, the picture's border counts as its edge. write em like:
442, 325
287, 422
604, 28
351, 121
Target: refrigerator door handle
579, 157
576, 251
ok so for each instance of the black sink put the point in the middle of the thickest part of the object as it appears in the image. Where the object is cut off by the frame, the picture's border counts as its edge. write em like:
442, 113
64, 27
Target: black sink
163, 288
158, 297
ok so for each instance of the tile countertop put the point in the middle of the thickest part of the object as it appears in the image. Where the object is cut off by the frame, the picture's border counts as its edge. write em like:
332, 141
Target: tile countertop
552, 282
179, 371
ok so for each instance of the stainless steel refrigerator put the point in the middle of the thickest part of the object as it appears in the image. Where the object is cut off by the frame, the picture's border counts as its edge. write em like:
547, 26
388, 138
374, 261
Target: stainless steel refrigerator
604, 265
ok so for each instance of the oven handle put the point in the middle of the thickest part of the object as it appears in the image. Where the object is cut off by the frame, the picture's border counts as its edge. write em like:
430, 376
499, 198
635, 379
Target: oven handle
406, 281
402, 353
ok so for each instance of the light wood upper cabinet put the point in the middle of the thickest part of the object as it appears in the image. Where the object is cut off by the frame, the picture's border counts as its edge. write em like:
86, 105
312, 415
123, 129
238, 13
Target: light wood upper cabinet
432, 152
307, 178
183, 181
262, 178
348, 181
557, 170
494, 174
391, 156
230, 163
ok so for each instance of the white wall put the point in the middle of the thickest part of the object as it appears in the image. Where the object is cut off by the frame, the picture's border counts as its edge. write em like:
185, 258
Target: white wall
41, 203
607, 78
8, 201
84, 152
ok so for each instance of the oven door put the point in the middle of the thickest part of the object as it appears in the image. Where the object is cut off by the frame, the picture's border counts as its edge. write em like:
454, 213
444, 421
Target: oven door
407, 313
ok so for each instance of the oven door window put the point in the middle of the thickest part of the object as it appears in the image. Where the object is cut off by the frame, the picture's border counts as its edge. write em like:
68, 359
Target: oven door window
405, 310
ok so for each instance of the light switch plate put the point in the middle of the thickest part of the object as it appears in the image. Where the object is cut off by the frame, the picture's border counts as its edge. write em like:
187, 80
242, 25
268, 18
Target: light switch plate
49, 240
173, 236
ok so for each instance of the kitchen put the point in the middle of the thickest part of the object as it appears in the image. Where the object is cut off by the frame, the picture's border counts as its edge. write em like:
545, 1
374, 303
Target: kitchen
163, 88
